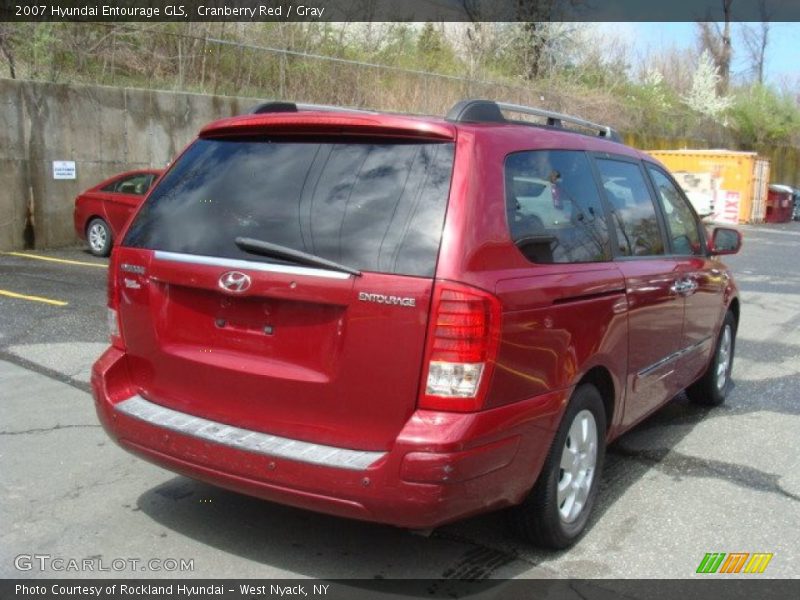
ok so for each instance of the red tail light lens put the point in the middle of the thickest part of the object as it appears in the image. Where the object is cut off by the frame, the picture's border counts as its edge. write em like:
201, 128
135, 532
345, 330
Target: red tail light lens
114, 330
463, 338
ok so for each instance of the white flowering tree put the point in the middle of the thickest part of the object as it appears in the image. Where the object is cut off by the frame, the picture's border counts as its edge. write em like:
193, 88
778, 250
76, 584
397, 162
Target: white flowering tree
654, 90
702, 97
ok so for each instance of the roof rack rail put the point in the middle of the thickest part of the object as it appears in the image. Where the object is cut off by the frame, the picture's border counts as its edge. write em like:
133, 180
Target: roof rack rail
275, 106
488, 111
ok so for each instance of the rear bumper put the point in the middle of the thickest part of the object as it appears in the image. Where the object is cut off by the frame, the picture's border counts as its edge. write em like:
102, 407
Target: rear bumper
442, 467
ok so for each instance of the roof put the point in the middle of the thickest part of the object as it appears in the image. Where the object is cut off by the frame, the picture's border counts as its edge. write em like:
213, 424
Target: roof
293, 118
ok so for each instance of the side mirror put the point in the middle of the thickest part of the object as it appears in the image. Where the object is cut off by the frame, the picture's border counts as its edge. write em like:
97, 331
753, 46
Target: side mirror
725, 241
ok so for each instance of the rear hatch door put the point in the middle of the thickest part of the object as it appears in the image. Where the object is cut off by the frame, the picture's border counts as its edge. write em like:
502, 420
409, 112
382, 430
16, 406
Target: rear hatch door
269, 343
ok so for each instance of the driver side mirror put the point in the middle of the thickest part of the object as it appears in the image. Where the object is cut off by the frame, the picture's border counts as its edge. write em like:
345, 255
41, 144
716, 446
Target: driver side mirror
725, 240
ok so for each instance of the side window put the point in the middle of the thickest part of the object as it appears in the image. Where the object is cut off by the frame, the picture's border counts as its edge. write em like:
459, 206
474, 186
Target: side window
554, 210
111, 187
632, 208
136, 184
681, 222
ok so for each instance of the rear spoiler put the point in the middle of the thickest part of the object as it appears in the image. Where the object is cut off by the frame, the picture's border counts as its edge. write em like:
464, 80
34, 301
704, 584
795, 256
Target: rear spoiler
316, 121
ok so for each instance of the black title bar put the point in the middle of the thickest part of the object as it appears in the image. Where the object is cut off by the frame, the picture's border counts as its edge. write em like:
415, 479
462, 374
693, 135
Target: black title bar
395, 10
731, 588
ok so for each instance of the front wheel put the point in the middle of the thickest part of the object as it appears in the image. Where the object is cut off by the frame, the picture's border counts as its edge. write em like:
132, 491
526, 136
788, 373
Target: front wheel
712, 388
556, 511
98, 234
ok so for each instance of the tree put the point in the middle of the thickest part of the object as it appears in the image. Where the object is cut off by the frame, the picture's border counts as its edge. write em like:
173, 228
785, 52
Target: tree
593, 57
538, 47
433, 49
703, 97
755, 39
717, 42
653, 93
478, 44
675, 64
537, 33
761, 116
6, 47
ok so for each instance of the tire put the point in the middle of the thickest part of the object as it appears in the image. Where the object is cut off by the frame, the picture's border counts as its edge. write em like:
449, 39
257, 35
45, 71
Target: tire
98, 236
712, 388
552, 519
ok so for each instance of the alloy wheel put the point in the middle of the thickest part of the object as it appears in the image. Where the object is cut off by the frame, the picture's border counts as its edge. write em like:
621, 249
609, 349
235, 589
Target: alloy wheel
724, 357
97, 237
578, 462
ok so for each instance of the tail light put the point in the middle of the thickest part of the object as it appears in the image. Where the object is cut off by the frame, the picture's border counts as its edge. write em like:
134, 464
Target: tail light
463, 338
115, 333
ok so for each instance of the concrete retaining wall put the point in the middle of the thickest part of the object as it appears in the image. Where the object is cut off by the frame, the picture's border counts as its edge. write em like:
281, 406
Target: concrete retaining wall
105, 130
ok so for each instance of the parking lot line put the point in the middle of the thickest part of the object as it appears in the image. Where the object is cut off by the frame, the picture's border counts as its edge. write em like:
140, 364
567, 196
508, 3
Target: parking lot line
58, 260
33, 298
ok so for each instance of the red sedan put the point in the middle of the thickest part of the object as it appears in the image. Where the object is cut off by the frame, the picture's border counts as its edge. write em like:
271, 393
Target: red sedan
101, 212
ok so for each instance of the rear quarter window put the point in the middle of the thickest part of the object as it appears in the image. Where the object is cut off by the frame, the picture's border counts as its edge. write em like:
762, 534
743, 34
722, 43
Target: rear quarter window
554, 210
374, 205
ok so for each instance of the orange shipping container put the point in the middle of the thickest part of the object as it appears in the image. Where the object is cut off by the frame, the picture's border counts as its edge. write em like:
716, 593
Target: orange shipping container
730, 186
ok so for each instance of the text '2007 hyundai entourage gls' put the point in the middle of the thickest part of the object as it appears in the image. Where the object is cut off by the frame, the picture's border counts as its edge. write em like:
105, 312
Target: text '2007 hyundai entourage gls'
411, 320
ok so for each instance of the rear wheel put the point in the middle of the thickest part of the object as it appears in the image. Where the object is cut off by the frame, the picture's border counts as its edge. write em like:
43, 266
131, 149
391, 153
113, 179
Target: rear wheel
555, 513
712, 388
98, 235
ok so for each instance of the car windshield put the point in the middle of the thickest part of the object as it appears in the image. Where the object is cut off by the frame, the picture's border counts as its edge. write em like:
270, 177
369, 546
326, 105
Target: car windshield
374, 205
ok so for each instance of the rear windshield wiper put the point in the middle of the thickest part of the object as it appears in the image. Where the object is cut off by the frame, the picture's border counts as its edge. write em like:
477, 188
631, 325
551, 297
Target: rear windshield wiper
263, 248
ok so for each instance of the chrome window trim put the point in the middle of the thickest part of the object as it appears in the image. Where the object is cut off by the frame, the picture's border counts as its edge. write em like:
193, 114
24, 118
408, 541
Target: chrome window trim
246, 439
232, 263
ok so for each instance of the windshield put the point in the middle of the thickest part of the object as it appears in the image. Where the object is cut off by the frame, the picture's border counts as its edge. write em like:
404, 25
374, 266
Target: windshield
373, 205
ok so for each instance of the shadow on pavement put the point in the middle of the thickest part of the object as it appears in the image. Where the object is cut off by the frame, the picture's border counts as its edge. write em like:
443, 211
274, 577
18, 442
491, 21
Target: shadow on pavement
476, 549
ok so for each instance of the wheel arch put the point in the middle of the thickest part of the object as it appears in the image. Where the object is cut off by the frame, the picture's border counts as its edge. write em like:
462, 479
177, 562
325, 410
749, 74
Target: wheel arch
91, 218
734, 308
600, 377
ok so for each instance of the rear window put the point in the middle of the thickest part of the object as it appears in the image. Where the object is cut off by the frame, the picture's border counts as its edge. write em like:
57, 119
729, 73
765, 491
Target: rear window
371, 205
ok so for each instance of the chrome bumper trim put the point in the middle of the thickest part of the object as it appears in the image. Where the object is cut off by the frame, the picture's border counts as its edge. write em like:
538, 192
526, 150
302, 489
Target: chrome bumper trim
245, 439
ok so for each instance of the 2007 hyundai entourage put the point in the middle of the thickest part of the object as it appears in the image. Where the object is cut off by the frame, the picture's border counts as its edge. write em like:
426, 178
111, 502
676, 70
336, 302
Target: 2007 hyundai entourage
411, 320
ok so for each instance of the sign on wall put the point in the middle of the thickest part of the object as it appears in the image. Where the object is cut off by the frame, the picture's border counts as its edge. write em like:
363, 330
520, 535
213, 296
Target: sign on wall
63, 169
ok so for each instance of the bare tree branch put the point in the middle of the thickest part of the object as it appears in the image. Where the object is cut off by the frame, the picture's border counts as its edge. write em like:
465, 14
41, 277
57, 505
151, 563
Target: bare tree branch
755, 39
717, 41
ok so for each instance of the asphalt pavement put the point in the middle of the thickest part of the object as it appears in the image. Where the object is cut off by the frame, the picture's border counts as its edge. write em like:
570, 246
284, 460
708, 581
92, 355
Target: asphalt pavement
685, 482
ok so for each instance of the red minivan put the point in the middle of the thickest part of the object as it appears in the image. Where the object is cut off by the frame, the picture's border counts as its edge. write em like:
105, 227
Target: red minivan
411, 320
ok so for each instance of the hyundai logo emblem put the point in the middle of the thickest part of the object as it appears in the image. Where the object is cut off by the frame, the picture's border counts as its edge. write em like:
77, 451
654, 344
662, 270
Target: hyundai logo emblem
235, 281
